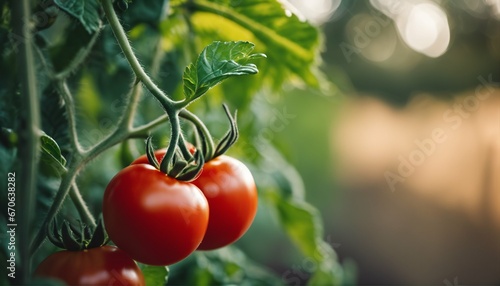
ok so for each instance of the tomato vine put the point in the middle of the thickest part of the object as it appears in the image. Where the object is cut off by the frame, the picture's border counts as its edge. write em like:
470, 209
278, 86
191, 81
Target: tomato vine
21, 10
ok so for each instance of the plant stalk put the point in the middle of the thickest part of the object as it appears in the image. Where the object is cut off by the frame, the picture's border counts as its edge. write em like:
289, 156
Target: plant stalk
175, 134
28, 151
80, 205
186, 114
69, 104
172, 108
122, 39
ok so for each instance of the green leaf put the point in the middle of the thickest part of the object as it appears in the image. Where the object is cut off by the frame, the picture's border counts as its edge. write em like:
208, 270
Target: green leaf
155, 275
230, 266
50, 147
301, 222
51, 160
217, 62
86, 11
292, 45
303, 225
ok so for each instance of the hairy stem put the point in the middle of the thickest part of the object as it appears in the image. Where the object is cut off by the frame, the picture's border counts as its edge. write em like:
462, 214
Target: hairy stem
81, 206
122, 39
129, 114
61, 194
30, 135
69, 104
184, 149
142, 131
79, 58
175, 133
171, 107
203, 129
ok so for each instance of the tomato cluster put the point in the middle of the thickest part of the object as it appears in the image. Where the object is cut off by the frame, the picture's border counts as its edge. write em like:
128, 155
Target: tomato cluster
159, 220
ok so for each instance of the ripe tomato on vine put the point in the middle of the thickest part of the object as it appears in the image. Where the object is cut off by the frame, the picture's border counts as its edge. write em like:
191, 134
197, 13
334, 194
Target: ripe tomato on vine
156, 219
230, 190
105, 265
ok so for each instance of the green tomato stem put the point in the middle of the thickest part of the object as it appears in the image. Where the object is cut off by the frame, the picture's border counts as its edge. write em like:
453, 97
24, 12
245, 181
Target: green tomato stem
122, 39
21, 13
61, 194
129, 114
62, 88
81, 206
174, 140
191, 117
79, 58
142, 131
171, 107
185, 151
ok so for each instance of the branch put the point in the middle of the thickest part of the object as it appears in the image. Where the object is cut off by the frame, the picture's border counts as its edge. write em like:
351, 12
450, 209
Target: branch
81, 206
142, 131
79, 58
127, 120
122, 39
69, 104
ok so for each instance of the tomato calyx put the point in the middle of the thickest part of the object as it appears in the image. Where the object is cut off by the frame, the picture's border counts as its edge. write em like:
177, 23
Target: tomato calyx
77, 237
181, 168
186, 164
231, 135
205, 144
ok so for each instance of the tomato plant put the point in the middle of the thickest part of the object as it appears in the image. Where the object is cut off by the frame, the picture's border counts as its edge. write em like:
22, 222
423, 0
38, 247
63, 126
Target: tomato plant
106, 265
230, 190
156, 219
86, 82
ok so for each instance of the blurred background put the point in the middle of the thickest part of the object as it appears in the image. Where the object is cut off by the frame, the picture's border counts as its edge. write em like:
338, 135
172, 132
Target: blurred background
403, 157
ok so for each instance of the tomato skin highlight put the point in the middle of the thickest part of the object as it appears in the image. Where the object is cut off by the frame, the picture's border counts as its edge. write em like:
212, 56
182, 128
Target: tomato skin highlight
156, 219
106, 265
232, 197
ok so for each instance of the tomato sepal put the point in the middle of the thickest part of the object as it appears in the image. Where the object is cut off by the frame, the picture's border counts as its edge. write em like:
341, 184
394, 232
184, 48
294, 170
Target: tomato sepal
182, 168
205, 143
74, 238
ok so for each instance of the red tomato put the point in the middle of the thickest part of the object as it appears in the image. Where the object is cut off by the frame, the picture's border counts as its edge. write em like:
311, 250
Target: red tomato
230, 190
156, 219
106, 265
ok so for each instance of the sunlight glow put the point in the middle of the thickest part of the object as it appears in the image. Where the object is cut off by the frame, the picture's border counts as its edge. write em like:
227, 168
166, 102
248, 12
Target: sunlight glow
425, 29
494, 7
423, 25
316, 11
